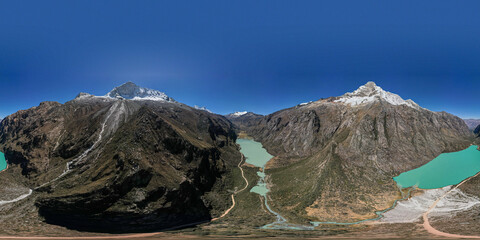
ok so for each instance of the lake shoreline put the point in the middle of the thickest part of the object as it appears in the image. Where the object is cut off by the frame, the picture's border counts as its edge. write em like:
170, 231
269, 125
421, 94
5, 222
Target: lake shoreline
3, 159
444, 170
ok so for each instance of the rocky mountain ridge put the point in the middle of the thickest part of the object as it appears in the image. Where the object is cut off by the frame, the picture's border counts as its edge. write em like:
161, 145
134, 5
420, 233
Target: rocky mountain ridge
369, 93
335, 158
131, 91
472, 123
116, 164
137, 160
243, 120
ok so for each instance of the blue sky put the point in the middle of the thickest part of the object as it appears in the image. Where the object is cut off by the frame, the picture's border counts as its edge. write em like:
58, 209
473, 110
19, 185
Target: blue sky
259, 56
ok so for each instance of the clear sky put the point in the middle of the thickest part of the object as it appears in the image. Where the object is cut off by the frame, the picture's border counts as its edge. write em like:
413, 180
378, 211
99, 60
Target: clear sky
259, 56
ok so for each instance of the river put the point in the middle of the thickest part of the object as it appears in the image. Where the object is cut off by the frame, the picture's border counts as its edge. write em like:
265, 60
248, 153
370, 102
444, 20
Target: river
256, 155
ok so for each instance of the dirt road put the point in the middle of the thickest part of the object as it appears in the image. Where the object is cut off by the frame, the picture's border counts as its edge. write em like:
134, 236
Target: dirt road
233, 194
432, 230
142, 235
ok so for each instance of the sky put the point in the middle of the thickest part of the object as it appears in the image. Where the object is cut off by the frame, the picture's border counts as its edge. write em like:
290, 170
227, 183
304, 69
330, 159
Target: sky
259, 56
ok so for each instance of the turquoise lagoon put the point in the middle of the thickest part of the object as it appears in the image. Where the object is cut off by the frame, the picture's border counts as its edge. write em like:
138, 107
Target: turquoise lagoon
446, 169
256, 155
254, 152
3, 162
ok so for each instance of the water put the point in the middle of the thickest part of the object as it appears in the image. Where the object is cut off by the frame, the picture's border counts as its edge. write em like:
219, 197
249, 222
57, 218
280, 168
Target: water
256, 155
446, 169
3, 162
254, 152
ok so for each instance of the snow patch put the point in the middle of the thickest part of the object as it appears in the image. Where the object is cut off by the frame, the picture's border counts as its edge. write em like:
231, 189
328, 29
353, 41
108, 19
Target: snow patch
238, 114
305, 103
370, 92
202, 108
131, 91
86, 96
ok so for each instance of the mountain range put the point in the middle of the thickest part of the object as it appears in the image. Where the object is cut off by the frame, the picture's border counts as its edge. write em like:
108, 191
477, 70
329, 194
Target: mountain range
131, 160
335, 157
135, 159
472, 123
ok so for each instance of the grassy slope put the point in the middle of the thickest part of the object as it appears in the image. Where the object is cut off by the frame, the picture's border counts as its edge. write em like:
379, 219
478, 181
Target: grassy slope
321, 188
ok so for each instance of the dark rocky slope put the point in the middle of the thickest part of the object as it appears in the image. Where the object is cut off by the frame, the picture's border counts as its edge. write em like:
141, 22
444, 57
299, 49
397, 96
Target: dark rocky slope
136, 165
476, 131
335, 158
245, 121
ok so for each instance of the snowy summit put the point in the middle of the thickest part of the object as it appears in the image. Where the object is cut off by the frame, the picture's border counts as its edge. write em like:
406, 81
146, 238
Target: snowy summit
202, 108
370, 92
131, 91
238, 114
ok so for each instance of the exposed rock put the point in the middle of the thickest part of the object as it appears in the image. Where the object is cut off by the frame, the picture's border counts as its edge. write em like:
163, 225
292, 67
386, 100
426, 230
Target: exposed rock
477, 130
335, 159
472, 123
131, 91
244, 120
134, 165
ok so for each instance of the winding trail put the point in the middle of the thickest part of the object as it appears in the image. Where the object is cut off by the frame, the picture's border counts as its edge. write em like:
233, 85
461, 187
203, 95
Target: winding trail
23, 196
243, 175
234, 193
18, 198
140, 235
432, 230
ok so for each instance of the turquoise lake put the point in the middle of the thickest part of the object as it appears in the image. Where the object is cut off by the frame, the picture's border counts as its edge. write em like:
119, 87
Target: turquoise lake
446, 169
3, 162
256, 155
254, 152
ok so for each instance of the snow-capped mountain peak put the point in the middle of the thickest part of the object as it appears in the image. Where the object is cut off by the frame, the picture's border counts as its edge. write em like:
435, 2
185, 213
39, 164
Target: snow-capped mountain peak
131, 91
202, 108
370, 92
238, 114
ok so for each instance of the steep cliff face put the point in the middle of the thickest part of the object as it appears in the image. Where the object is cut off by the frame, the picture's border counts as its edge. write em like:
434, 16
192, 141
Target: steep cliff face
336, 157
477, 130
132, 164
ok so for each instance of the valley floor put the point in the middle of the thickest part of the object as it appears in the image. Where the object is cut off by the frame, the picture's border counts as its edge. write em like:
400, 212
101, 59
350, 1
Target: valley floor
241, 221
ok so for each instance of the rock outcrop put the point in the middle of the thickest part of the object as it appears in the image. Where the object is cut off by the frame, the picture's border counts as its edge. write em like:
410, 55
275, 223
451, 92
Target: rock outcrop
133, 165
477, 130
472, 123
335, 158
244, 120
